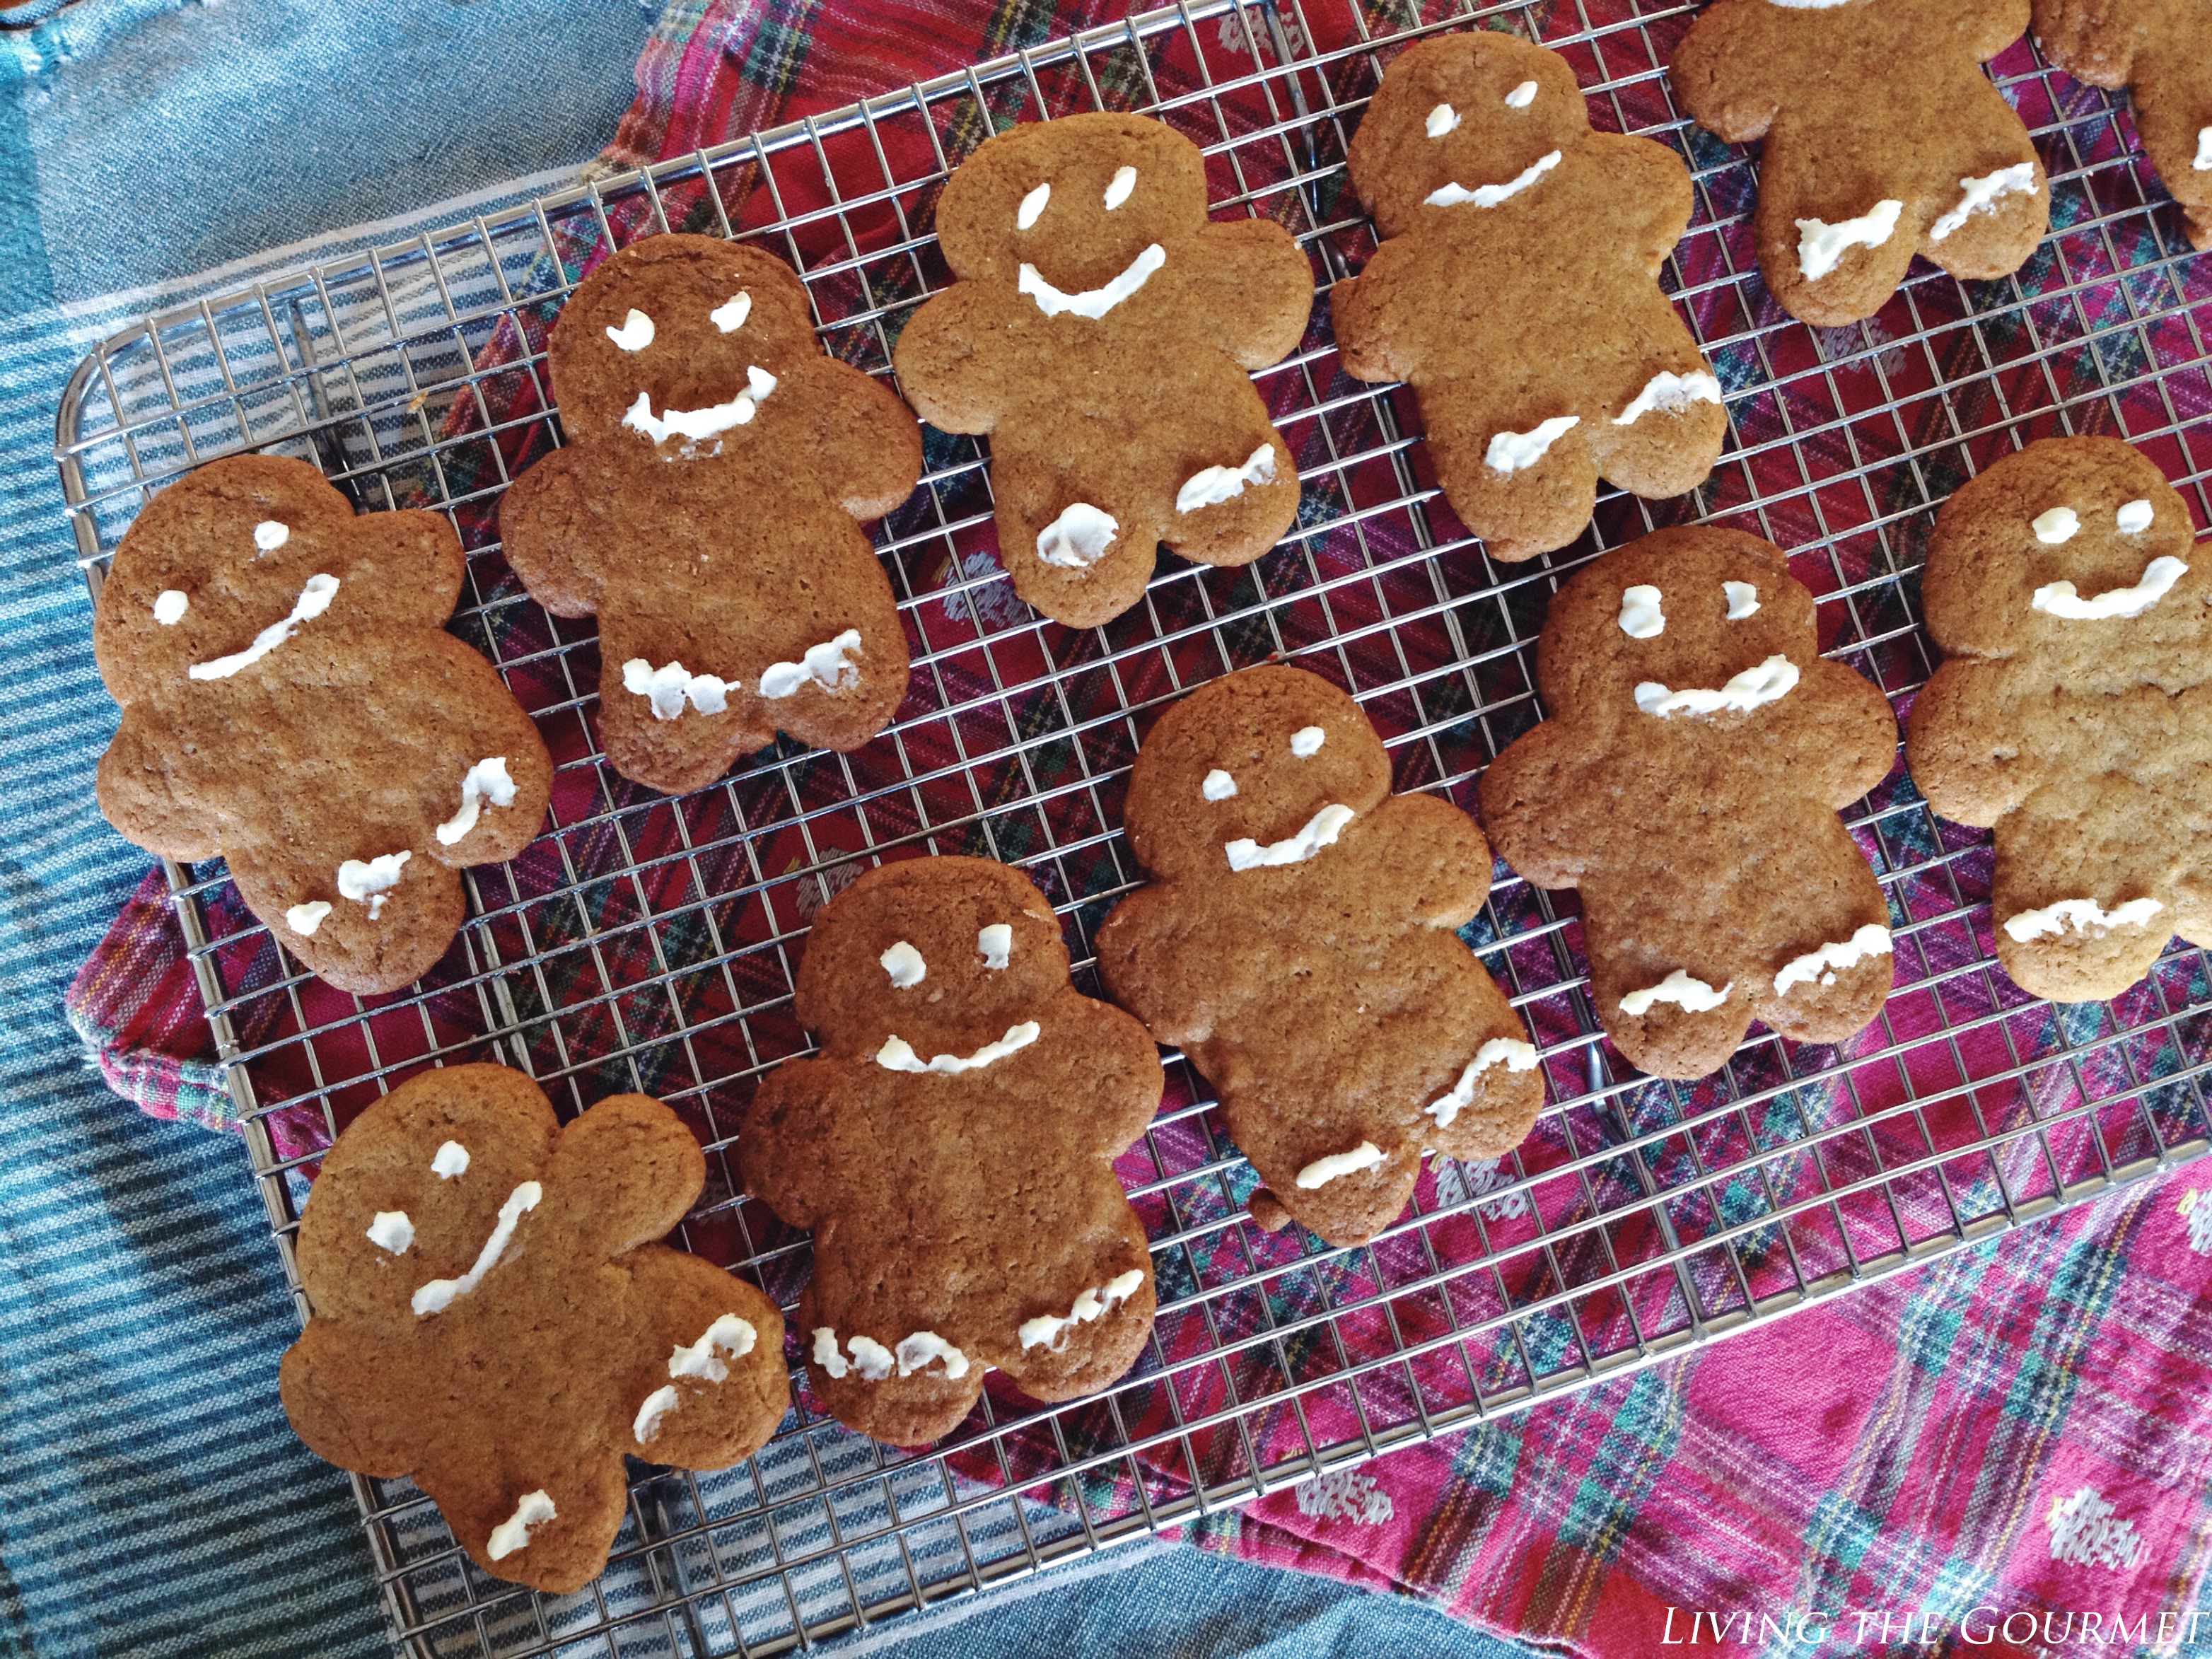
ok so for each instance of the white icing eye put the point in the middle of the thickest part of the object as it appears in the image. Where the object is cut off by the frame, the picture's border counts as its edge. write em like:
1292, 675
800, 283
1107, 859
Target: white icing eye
1117, 191
1521, 96
2057, 525
2133, 520
1442, 120
1641, 618
1218, 785
635, 332
391, 1231
1742, 600
904, 965
1032, 207
451, 1159
269, 535
1307, 740
996, 942
729, 315
169, 606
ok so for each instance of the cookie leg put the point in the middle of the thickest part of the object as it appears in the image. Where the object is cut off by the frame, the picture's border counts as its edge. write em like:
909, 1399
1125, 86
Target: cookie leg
669, 729
1084, 1337
1995, 238
1846, 260
1664, 440
407, 910
2073, 922
1520, 478
1079, 544
1235, 487
1668, 1003
698, 1321
547, 1524
1834, 976
876, 1362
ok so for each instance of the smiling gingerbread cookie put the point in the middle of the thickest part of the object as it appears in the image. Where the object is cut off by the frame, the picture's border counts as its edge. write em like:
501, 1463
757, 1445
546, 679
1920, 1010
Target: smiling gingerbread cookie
1686, 783
2075, 712
2161, 50
1517, 291
1101, 333
951, 1147
491, 1315
705, 510
291, 701
1298, 941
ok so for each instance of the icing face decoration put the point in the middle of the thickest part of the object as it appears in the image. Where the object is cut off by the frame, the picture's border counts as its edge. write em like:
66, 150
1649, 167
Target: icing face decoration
1822, 245
697, 426
904, 965
1742, 600
314, 599
1769, 682
2060, 601
1092, 302
2057, 526
1442, 120
269, 535
1218, 785
1307, 740
1521, 96
996, 942
898, 1054
2133, 518
1641, 618
451, 1159
730, 316
1118, 188
1488, 195
1032, 205
391, 1231
1321, 830
635, 332
440, 1294
169, 606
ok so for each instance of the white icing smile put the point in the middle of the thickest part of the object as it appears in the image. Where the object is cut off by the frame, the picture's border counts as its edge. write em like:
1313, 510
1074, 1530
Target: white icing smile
635, 332
1820, 966
1486, 196
440, 1293
1077, 538
1641, 618
2082, 914
487, 781
512, 1533
1821, 244
898, 1054
1672, 392
1092, 302
1321, 830
1510, 451
1512, 1053
904, 966
170, 605
2059, 599
1050, 1330
1323, 1171
668, 687
1217, 484
371, 883
1694, 994
827, 665
1768, 683
314, 599
697, 425
1980, 195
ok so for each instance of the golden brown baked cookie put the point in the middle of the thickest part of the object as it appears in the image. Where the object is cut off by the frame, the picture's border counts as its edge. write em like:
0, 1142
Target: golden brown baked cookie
705, 510
2076, 714
1884, 138
2162, 49
1297, 941
1102, 333
1687, 783
492, 1318
291, 701
1517, 291
952, 1148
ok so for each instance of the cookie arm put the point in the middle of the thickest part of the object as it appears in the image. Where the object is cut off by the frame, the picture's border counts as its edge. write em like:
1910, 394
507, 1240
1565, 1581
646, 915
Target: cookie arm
1145, 957
1372, 347
1125, 1065
1650, 182
865, 446
1251, 291
783, 1143
1845, 737
1989, 25
1959, 745
138, 784
945, 360
545, 527
406, 568
624, 1173
1535, 798
339, 1389
1435, 850
1716, 72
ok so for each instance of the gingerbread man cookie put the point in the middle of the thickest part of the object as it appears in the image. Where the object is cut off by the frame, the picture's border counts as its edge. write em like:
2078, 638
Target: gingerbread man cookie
492, 1318
1516, 289
1687, 783
1297, 941
705, 509
1884, 138
2162, 49
1101, 333
291, 702
2075, 714
952, 1149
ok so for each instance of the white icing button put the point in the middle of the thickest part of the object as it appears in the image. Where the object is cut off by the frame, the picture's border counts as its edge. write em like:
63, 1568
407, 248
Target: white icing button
1821, 244
1486, 196
1307, 740
1980, 195
371, 883
1078, 537
898, 1054
731, 1334
1442, 120
996, 942
271, 534
1218, 785
1672, 392
2082, 914
487, 781
658, 1404
1514, 1054
730, 316
1321, 830
1641, 618
1050, 1330
828, 665
2056, 526
1772, 680
2059, 599
1510, 451
1216, 484
699, 424
1032, 205
1521, 96
170, 605
514, 1532
451, 1159
391, 1231
668, 687
1694, 994
635, 332
904, 965
1091, 302
315, 596
439, 1294
1118, 188
1820, 966
1742, 600
2133, 519
1323, 1171
304, 918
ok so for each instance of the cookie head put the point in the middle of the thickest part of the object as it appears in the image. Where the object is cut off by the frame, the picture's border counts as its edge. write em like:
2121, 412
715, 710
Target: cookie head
925, 952
1081, 203
2067, 539
1249, 765
1465, 119
677, 342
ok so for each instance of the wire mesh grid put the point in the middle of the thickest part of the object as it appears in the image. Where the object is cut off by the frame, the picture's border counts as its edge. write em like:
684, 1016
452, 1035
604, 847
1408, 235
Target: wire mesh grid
644, 943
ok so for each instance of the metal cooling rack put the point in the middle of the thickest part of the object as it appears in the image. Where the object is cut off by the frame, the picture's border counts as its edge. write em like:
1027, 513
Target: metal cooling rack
647, 944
